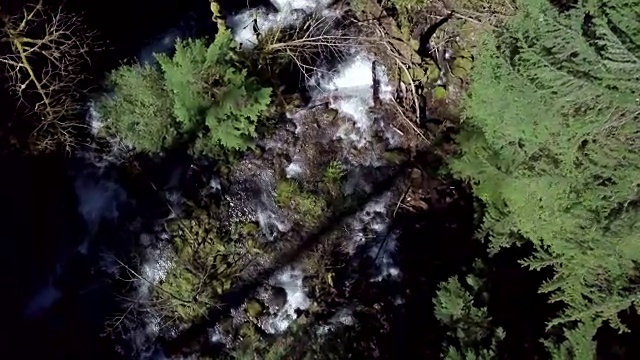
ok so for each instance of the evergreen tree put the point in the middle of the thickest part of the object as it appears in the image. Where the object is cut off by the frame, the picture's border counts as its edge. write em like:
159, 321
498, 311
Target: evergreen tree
470, 334
200, 95
551, 144
140, 109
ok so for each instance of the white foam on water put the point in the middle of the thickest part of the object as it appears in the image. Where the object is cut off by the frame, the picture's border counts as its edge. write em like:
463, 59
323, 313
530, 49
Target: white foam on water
307, 5
294, 170
290, 279
290, 12
350, 91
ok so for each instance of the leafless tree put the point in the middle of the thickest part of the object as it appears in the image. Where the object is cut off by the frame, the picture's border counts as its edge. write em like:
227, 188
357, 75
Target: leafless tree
49, 51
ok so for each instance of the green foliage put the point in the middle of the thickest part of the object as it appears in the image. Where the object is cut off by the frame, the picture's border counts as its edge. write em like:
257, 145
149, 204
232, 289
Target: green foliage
470, 333
439, 93
140, 111
300, 341
333, 173
204, 267
308, 207
201, 95
579, 344
243, 231
408, 5
254, 308
406, 14
552, 146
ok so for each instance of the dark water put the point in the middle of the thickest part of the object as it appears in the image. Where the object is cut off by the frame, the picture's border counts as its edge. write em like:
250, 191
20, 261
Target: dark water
40, 226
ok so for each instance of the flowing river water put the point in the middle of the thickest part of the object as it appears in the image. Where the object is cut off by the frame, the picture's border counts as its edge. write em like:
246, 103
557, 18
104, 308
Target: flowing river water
347, 129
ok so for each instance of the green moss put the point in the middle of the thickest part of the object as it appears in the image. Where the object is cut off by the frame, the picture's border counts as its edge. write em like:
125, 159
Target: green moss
433, 73
254, 308
243, 230
415, 44
461, 67
463, 53
414, 73
439, 93
333, 173
308, 207
332, 113
248, 331
394, 156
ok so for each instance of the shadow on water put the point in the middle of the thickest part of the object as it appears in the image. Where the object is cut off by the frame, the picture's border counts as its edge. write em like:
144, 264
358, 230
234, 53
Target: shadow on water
40, 223
192, 338
58, 300
128, 26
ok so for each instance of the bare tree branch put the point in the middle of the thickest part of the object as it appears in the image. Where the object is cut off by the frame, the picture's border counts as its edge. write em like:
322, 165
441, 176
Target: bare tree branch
49, 50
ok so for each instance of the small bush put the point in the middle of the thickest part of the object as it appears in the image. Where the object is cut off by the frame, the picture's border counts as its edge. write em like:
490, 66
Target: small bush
206, 264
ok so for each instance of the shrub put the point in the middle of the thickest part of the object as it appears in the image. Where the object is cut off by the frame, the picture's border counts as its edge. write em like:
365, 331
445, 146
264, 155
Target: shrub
206, 263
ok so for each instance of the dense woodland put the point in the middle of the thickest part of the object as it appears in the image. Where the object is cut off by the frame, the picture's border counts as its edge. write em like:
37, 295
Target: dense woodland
513, 190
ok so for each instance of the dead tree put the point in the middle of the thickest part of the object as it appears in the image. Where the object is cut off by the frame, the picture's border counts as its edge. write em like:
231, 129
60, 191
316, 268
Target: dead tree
45, 62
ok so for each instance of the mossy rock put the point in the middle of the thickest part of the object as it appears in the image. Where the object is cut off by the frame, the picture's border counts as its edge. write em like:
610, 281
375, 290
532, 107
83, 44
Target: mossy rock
224, 171
433, 73
439, 93
415, 74
254, 308
250, 228
294, 103
331, 113
461, 67
257, 151
394, 156
226, 325
415, 44
303, 320
244, 229
248, 331
315, 307
463, 53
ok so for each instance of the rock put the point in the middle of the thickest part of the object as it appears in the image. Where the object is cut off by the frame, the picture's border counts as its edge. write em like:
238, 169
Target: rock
416, 177
291, 127
433, 73
439, 93
332, 113
461, 67
254, 308
277, 298
393, 156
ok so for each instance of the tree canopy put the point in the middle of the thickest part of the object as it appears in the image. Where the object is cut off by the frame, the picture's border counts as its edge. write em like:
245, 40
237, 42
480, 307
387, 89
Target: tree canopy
551, 144
200, 96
